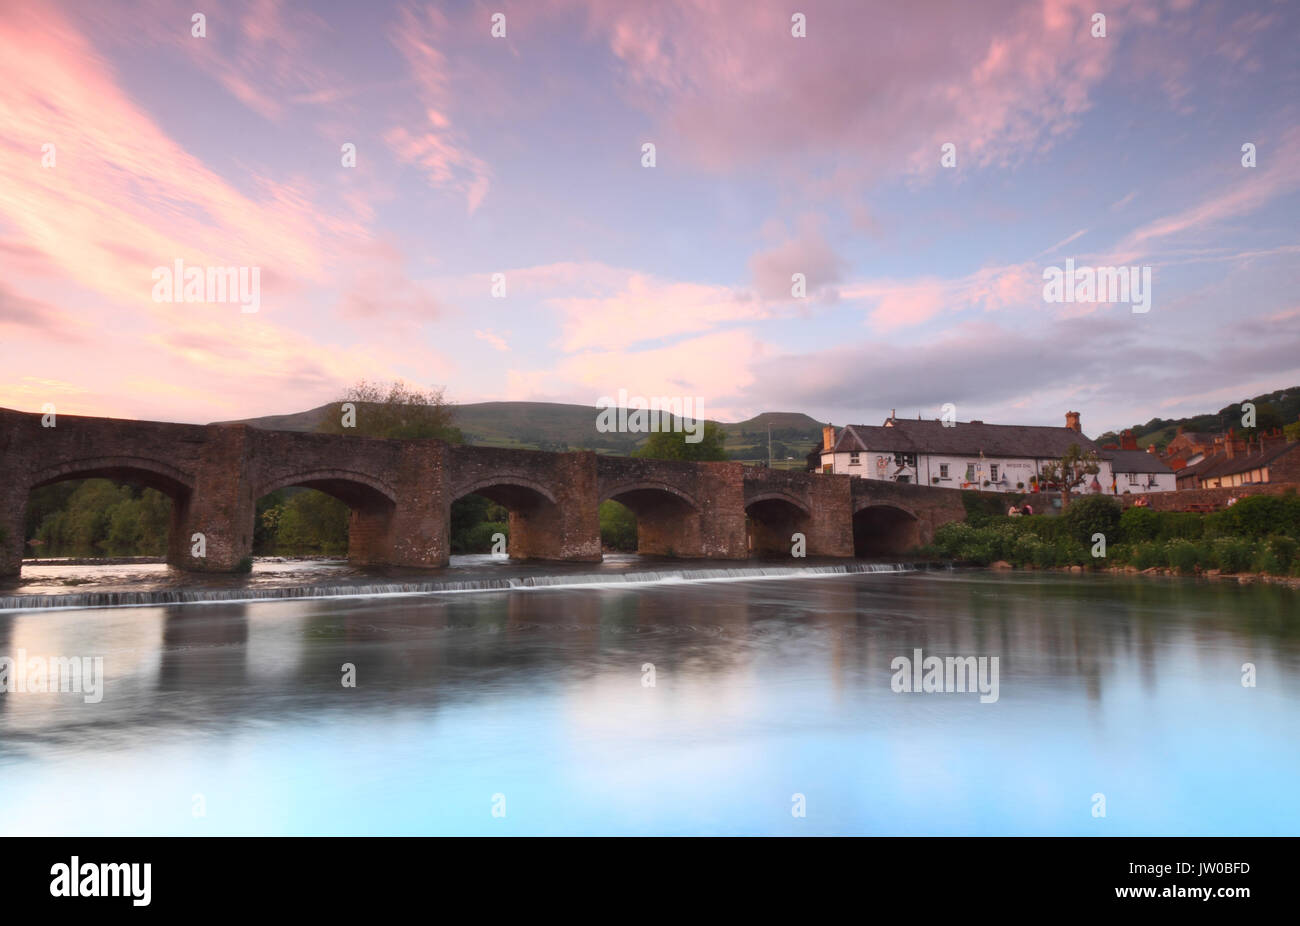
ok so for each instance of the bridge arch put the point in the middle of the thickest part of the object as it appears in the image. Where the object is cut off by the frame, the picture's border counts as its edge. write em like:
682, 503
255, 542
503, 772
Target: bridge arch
667, 518
537, 527
154, 474
347, 486
150, 473
371, 503
646, 488
772, 519
507, 489
884, 529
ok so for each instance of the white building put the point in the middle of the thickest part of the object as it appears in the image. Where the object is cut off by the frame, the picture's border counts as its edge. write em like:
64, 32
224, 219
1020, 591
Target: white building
988, 457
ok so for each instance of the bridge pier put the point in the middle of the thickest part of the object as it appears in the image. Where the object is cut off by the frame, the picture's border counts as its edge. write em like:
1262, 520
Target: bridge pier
13, 518
219, 507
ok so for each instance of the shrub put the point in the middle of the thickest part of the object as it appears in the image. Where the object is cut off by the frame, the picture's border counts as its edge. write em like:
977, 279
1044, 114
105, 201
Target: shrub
1284, 548
478, 539
1092, 514
1047, 528
1025, 549
980, 506
1149, 555
977, 551
1232, 554
1266, 561
1183, 555
950, 537
1139, 524
1045, 555
1261, 515
1072, 553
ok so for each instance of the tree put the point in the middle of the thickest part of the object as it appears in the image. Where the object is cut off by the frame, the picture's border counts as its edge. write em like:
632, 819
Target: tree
1095, 514
1071, 470
617, 527
393, 410
672, 445
312, 522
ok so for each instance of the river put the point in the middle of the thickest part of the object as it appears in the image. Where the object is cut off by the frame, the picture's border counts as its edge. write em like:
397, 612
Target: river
664, 705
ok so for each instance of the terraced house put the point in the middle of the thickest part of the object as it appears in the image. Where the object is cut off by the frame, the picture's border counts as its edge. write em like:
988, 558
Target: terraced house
975, 455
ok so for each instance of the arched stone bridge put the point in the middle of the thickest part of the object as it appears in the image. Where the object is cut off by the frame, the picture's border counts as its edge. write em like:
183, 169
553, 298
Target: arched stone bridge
400, 494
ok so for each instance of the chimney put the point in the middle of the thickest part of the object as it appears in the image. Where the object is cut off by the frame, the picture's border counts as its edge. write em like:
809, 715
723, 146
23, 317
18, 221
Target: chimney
1126, 439
1151, 449
1230, 444
828, 437
1072, 421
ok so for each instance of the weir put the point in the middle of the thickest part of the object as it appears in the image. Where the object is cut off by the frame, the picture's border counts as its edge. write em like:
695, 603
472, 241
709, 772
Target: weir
400, 493
82, 600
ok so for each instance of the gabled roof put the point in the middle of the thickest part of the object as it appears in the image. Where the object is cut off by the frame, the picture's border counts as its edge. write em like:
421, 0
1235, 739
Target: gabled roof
961, 439
1220, 465
1134, 461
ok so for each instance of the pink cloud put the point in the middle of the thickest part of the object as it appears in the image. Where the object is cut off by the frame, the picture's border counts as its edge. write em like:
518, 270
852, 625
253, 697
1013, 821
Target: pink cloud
716, 367
492, 338
809, 253
438, 149
645, 308
907, 303
998, 79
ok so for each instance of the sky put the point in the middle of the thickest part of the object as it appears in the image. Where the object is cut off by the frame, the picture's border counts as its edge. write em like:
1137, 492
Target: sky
774, 155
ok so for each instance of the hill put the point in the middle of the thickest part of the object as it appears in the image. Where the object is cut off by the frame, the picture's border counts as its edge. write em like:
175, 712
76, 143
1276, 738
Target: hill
556, 426
1160, 431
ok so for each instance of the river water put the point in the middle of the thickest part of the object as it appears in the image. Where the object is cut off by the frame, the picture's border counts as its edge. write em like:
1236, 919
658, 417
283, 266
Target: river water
530, 710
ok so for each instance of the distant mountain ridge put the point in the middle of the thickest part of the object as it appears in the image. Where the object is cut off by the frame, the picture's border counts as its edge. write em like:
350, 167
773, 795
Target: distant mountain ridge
558, 426
1160, 431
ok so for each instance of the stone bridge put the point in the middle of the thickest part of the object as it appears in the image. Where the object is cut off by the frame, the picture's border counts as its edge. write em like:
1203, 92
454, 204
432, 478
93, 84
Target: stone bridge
400, 494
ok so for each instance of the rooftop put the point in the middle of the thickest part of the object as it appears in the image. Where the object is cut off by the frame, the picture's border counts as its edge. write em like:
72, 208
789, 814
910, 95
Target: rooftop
969, 438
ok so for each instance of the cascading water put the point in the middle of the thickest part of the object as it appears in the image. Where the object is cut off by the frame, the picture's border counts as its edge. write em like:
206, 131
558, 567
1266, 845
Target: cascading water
121, 599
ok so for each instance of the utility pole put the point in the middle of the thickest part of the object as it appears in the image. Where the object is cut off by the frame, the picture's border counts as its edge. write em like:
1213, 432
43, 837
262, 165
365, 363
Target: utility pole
769, 446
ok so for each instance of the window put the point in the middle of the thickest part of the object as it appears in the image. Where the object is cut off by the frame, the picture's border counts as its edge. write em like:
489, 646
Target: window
943, 470
853, 458
970, 472
993, 471
905, 459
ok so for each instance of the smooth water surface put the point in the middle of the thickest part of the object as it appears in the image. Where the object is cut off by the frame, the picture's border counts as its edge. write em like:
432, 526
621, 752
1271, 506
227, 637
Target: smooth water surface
231, 718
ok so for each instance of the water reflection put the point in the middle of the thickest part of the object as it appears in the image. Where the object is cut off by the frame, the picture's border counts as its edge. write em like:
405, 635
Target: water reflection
762, 689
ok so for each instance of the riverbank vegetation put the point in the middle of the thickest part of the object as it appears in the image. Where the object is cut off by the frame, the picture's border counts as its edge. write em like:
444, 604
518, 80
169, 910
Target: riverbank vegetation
1259, 534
